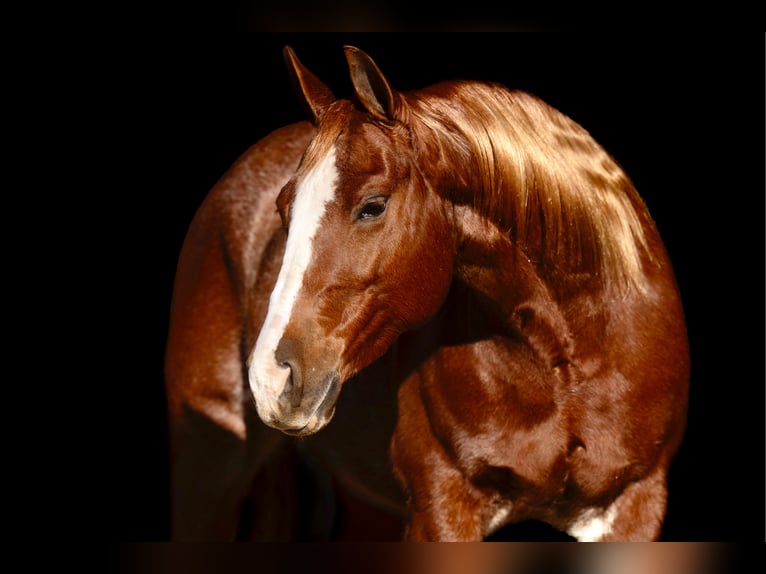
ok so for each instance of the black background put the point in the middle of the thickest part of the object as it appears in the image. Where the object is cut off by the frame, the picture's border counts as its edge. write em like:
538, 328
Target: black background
682, 114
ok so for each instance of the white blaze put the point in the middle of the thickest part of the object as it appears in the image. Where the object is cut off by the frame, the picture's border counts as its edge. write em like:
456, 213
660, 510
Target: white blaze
267, 378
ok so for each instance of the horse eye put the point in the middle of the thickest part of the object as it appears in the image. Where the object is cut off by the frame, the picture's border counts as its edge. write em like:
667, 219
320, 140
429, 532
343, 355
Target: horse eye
372, 208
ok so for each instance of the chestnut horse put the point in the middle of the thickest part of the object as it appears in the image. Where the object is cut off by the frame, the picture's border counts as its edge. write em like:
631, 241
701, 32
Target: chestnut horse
460, 289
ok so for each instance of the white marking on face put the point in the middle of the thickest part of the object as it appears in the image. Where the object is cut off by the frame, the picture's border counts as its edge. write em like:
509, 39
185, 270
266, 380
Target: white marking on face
593, 524
267, 377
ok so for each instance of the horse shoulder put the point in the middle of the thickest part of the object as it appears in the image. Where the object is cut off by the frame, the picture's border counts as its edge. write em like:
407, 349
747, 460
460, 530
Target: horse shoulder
627, 410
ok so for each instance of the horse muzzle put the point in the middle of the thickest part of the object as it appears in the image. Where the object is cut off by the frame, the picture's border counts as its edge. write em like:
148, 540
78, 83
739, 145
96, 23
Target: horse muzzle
310, 412
291, 397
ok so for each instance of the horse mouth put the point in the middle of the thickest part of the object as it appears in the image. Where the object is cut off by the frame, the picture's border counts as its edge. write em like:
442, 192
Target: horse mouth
323, 412
314, 425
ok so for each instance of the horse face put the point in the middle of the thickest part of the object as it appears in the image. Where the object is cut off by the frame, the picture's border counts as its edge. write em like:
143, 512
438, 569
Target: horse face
368, 255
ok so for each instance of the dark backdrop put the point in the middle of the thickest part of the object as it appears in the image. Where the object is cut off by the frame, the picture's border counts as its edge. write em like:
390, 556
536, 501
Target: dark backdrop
683, 115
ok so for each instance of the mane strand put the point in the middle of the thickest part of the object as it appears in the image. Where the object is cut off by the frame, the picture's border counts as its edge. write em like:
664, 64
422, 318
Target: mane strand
541, 176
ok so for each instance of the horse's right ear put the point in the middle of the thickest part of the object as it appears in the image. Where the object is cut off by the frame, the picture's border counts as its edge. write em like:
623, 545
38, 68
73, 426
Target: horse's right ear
314, 95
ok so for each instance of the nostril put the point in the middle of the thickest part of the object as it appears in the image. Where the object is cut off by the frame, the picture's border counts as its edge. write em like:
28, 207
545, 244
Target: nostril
292, 393
285, 355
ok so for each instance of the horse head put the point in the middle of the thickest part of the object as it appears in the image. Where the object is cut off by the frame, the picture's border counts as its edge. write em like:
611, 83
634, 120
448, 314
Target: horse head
369, 250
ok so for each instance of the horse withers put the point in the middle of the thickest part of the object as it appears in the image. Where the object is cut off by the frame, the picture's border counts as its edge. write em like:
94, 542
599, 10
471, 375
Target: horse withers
454, 287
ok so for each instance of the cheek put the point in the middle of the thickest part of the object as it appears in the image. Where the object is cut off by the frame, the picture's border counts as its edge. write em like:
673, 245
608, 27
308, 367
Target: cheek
405, 265
424, 270
342, 272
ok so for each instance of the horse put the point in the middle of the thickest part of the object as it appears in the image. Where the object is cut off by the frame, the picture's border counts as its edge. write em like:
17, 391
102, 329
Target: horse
450, 302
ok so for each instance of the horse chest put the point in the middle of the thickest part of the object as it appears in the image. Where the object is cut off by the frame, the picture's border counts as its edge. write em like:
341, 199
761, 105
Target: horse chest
506, 430
511, 427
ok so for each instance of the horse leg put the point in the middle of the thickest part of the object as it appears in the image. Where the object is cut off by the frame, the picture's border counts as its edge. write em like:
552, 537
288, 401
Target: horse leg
635, 515
212, 471
207, 463
444, 510
442, 504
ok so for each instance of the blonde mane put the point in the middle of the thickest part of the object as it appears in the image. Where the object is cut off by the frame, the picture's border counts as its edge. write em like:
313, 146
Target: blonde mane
541, 176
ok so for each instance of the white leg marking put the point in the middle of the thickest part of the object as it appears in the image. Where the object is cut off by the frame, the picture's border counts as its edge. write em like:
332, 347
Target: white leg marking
593, 524
499, 518
267, 378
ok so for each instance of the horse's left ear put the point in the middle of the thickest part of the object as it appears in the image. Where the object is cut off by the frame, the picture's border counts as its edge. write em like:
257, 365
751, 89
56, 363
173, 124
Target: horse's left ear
316, 97
370, 85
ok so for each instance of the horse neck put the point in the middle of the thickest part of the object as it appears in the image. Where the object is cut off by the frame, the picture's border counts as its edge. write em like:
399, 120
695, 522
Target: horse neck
488, 262
527, 294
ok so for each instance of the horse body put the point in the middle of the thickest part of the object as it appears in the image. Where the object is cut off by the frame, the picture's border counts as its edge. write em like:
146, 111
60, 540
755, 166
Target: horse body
525, 426
215, 446
479, 279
